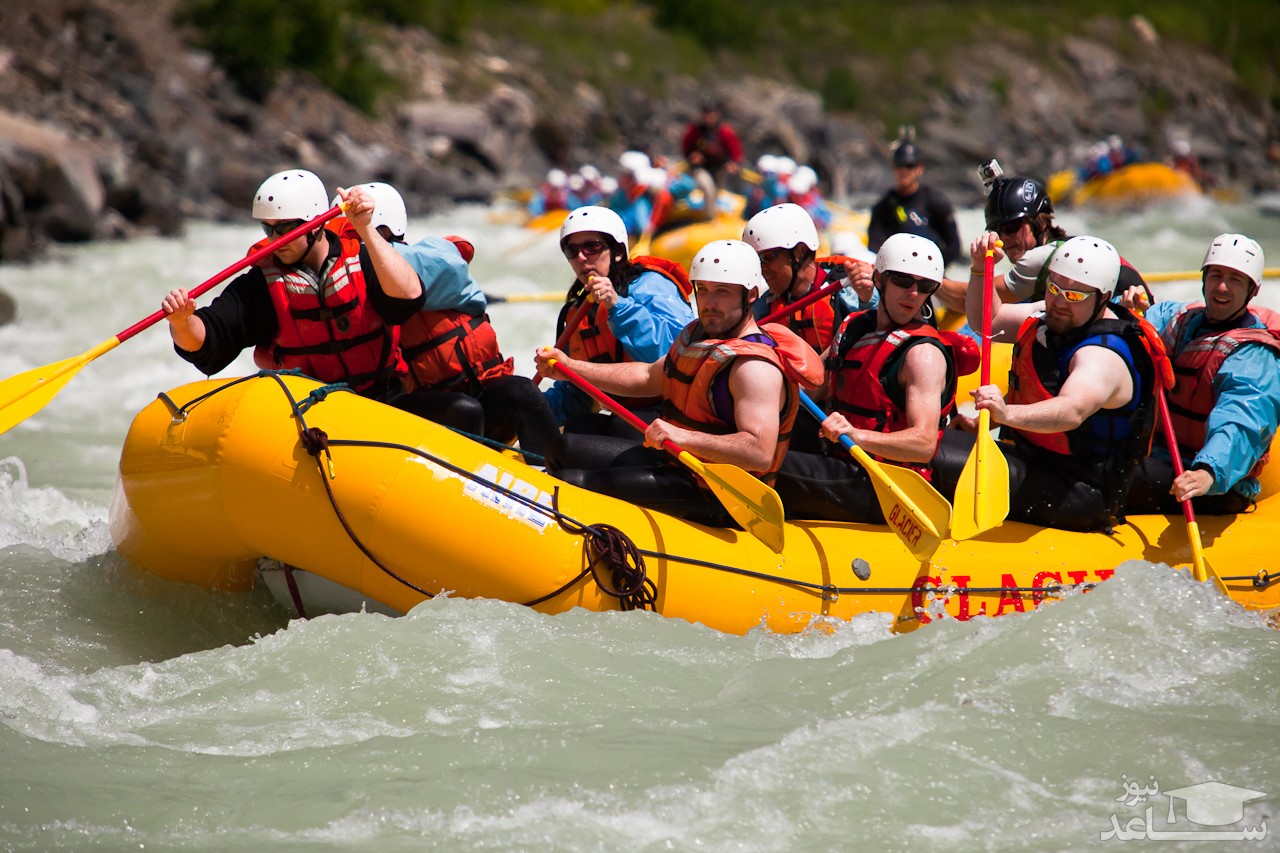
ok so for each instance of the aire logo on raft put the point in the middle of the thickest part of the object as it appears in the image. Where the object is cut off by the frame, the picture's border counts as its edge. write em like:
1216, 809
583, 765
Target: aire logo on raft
502, 498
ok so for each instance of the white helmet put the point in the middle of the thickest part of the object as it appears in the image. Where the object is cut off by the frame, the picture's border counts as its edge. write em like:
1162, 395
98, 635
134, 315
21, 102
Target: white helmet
655, 178
594, 218
635, 162
783, 226
577, 183
291, 194
802, 181
727, 262
557, 178
589, 173
768, 164
910, 254
608, 185
388, 208
1090, 261
786, 166
1237, 252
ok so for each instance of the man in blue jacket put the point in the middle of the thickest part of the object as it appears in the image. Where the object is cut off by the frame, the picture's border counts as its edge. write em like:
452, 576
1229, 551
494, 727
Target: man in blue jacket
1225, 405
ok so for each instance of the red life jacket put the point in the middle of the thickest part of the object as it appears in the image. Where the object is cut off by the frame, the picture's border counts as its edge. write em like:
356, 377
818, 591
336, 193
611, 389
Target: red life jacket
862, 380
329, 331
451, 350
1038, 373
815, 322
693, 362
1196, 364
593, 340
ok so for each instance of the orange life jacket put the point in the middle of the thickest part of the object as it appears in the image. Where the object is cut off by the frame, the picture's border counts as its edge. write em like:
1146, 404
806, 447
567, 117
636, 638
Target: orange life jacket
862, 370
1196, 364
815, 322
1038, 372
328, 329
693, 362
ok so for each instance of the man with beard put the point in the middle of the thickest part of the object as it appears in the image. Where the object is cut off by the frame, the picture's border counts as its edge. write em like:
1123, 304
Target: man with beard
891, 387
728, 387
1080, 408
1225, 402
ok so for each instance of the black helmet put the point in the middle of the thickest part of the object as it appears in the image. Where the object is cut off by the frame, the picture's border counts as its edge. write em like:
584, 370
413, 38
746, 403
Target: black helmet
1015, 198
905, 153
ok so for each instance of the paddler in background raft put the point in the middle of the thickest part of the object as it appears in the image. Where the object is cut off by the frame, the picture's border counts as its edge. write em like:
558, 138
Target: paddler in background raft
729, 392
889, 394
1081, 404
456, 375
1225, 402
618, 309
326, 304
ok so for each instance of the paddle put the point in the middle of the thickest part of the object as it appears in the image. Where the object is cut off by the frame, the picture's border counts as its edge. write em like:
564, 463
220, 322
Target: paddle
575, 317
1200, 569
498, 298
750, 501
982, 493
912, 507
833, 284
23, 395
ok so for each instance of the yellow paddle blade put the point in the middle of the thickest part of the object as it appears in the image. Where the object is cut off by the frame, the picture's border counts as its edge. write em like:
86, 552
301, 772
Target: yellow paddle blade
912, 507
982, 494
750, 501
1200, 568
23, 395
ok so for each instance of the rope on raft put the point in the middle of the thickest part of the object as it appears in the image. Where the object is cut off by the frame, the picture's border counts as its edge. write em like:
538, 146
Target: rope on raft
604, 546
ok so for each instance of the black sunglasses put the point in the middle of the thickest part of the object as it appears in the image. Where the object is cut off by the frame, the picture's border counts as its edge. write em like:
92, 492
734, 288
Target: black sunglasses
906, 282
281, 228
590, 248
1010, 228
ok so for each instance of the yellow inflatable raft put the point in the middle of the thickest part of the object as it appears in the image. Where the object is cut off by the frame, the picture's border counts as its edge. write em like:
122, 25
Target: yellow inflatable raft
392, 509
1135, 185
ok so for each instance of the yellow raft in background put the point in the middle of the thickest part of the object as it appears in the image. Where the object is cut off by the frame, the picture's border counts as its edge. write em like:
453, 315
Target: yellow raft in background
1135, 185
214, 475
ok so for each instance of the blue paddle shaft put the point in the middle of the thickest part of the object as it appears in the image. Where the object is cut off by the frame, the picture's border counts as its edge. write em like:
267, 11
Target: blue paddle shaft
817, 412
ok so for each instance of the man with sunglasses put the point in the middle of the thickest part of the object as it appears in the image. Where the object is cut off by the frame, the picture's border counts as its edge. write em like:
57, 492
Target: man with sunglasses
324, 303
913, 208
728, 389
1080, 410
1225, 404
891, 387
639, 305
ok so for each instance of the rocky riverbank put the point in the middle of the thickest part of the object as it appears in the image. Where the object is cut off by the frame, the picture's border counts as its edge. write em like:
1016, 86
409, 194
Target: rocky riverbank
111, 123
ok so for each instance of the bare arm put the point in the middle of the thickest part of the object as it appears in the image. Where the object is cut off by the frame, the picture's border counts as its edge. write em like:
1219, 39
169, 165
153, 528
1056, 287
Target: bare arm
1099, 379
757, 389
397, 278
627, 378
923, 375
186, 329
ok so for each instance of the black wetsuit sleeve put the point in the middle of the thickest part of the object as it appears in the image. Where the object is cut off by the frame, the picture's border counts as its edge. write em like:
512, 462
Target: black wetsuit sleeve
241, 316
392, 309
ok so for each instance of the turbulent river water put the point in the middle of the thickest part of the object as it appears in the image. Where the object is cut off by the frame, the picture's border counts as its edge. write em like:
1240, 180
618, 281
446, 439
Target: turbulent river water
139, 714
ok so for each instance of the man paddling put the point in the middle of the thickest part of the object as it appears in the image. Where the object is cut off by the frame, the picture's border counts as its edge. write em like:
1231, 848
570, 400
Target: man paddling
325, 304
1080, 409
1225, 402
891, 386
729, 394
